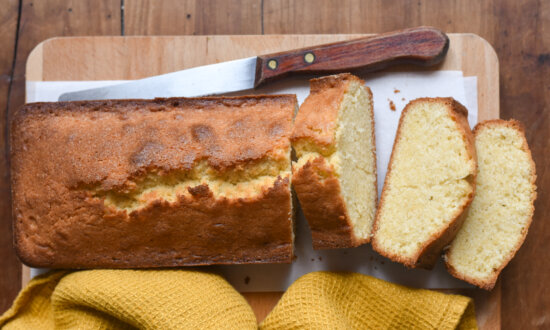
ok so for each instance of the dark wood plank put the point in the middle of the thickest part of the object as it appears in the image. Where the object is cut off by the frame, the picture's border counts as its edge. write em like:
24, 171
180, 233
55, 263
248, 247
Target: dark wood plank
376, 16
11, 268
176, 17
329, 16
39, 20
519, 31
523, 47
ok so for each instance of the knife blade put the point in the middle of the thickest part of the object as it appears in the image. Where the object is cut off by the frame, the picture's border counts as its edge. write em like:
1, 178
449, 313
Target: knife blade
422, 46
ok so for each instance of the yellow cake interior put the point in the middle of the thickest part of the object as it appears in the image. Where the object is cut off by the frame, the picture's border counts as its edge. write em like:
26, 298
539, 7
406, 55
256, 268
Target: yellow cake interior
502, 207
351, 158
246, 181
431, 174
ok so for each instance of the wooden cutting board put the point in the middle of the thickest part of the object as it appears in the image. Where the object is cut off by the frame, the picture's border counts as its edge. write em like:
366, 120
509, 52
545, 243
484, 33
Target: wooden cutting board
122, 58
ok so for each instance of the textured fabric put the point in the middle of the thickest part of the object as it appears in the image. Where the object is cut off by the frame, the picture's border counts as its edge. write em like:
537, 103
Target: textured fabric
129, 299
186, 299
326, 300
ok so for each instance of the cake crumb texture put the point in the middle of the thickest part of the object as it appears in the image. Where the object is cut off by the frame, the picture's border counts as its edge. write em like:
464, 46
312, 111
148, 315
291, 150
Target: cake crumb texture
501, 212
429, 184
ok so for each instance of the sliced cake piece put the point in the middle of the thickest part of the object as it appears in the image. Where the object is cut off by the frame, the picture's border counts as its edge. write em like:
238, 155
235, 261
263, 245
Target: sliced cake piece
501, 212
335, 175
430, 182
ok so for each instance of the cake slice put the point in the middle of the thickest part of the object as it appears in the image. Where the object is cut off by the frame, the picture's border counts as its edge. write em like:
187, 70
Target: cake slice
501, 212
335, 175
429, 184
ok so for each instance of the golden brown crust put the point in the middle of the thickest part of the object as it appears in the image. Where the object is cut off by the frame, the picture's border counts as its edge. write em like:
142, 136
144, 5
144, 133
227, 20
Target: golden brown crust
316, 121
162, 134
58, 150
430, 252
322, 203
490, 284
316, 183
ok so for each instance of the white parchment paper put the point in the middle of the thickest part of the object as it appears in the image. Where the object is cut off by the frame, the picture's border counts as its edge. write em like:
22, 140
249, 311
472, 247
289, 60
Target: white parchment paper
396, 87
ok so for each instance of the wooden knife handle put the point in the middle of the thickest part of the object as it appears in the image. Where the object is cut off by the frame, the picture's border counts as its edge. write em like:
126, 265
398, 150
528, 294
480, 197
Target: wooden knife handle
421, 46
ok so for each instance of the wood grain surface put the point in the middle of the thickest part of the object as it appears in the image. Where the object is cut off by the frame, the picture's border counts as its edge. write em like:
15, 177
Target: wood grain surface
153, 17
10, 280
517, 29
96, 58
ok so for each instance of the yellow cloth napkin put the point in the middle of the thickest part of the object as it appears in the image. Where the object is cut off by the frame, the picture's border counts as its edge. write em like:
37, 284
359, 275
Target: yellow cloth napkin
325, 300
187, 299
129, 299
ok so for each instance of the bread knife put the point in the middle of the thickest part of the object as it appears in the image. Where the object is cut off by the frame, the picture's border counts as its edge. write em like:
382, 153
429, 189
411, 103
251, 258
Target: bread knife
422, 46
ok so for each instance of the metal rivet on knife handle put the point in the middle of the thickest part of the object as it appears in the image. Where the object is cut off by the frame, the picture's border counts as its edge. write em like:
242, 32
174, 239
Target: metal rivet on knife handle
309, 58
272, 64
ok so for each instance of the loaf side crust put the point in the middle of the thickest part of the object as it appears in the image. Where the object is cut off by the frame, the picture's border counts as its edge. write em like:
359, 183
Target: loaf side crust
430, 252
322, 203
63, 152
157, 236
490, 283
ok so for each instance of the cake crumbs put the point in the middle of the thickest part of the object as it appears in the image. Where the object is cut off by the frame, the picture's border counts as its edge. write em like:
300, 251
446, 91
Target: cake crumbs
392, 105
395, 90
402, 99
312, 259
247, 280
320, 258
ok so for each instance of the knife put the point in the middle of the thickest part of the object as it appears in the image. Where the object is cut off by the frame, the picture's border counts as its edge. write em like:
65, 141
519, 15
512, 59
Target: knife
422, 46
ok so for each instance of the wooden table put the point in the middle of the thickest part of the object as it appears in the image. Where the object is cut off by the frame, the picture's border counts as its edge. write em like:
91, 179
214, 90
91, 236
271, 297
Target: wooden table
518, 30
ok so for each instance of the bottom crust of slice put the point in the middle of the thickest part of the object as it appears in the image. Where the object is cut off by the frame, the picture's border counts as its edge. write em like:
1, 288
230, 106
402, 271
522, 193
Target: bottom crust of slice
323, 205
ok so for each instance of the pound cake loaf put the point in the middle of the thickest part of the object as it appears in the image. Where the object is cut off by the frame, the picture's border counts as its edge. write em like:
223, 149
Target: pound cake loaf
153, 183
429, 184
335, 175
501, 212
